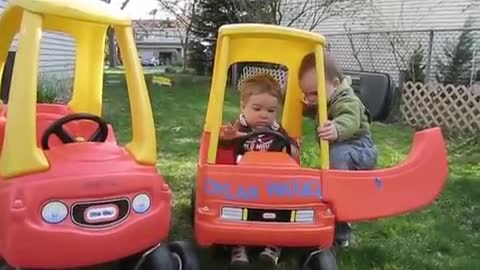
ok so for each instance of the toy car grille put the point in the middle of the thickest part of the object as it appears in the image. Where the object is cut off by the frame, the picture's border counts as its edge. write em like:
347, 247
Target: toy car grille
269, 215
100, 214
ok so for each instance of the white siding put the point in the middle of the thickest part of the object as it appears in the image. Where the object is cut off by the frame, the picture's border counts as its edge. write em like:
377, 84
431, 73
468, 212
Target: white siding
419, 15
387, 15
57, 53
370, 48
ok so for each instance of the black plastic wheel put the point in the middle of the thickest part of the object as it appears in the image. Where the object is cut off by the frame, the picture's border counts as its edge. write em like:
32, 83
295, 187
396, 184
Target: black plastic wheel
4, 265
322, 260
159, 259
184, 256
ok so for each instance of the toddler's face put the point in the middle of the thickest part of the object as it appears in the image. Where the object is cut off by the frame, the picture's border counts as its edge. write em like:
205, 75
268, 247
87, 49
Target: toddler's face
260, 110
308, 84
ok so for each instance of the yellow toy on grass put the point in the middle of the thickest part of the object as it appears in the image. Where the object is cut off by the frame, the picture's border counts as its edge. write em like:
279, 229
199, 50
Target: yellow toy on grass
160, 80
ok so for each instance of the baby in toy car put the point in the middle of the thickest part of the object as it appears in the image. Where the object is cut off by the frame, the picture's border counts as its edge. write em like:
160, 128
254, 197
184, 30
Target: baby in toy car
348, 127
260, 100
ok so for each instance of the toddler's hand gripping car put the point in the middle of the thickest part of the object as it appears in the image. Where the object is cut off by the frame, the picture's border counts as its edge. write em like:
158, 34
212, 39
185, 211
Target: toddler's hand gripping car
268, 198
71, 196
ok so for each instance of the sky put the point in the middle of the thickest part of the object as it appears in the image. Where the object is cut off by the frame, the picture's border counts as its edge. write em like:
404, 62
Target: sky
139, 9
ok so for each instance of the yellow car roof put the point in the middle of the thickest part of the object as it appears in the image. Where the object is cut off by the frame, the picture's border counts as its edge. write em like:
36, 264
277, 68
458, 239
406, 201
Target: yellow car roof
264, 30
85, 10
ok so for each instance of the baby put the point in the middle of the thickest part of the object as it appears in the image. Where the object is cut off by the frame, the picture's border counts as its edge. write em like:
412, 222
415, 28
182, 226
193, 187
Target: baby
260, 99
348, 125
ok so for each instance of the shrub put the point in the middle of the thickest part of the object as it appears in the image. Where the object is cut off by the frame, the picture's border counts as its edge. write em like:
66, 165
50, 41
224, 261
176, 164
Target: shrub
170, 70
53, 90
457, 67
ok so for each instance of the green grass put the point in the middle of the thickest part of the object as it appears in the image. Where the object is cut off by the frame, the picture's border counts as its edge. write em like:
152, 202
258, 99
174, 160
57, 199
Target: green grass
445, 235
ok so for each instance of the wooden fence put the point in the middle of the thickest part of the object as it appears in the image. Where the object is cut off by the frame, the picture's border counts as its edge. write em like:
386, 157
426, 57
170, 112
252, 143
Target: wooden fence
454, 108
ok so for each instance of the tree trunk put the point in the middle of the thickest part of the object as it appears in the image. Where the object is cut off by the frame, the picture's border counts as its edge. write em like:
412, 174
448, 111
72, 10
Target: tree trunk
185, 53
111, 48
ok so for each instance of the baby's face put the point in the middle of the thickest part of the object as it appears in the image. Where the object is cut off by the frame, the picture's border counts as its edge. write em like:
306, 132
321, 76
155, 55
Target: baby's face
308, 84
260, 110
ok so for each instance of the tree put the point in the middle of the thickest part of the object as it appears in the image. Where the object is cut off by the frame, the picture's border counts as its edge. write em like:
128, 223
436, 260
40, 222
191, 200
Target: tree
306, 14
197, 58
210, 16
112, 48
416, 66
458, 53
184, 13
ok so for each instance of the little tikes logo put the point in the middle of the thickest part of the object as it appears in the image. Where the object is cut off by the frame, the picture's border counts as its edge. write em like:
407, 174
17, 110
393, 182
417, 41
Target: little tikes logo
273, 188
99, 214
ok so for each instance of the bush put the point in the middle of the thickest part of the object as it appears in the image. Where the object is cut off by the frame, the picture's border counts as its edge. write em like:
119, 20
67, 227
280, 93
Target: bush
457, 67
46, 95
53, 90
416, 66
170, 70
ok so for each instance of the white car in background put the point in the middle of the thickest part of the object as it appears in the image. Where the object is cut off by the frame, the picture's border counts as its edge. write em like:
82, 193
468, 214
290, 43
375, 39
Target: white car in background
150, 61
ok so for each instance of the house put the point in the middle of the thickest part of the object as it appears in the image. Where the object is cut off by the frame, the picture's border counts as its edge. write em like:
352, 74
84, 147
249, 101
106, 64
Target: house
57, 57
160, 39
57, 52
382, 35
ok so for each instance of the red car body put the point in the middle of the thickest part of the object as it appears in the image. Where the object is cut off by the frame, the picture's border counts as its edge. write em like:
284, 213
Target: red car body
84, 176
272, 186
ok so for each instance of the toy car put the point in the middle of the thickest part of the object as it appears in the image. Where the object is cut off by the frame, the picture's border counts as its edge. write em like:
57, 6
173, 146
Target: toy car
267, 198
70, 196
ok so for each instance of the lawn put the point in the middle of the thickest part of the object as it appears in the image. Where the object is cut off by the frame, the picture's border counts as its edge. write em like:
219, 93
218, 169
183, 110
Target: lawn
446, 235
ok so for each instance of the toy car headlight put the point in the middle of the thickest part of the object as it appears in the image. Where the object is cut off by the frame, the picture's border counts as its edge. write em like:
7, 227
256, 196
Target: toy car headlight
230, 213
141, 203
54, 212
304, 216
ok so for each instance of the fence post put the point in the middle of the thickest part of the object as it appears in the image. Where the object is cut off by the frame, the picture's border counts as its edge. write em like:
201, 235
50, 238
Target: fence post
395, 114
429, 57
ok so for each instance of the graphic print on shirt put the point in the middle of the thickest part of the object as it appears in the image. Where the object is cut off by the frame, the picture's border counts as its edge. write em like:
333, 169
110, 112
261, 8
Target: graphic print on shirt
259, 143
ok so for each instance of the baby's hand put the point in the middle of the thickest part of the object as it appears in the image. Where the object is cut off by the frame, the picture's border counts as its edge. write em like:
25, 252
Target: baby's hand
328, 132
229, 132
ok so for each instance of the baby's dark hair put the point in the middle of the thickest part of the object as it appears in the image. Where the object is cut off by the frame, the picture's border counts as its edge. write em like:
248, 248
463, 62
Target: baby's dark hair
261, 83
332, 70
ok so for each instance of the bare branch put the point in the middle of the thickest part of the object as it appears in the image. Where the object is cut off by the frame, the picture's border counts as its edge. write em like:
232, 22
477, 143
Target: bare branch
323, 15
352, 45
273, 7
237, 6
279, 11
184, 12
300, 14
317, 11
472, 4
124, 4
174, 8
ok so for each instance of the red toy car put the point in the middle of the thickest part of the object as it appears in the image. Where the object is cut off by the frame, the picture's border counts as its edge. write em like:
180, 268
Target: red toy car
70, 196
267, 198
